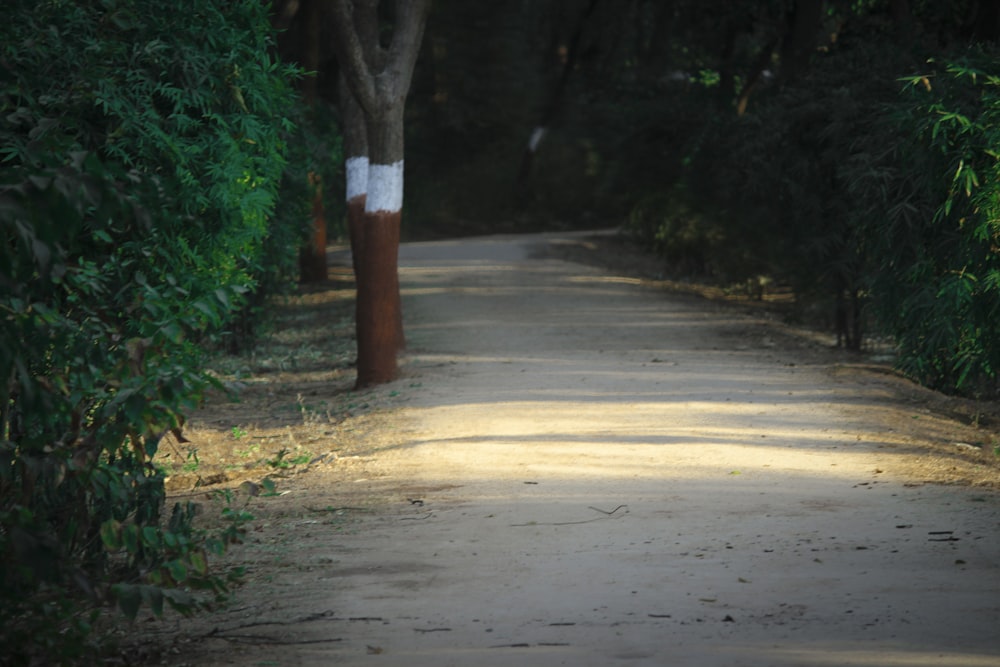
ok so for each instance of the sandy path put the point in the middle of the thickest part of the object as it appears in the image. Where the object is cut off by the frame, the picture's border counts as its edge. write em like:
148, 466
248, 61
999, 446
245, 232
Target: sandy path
603, 475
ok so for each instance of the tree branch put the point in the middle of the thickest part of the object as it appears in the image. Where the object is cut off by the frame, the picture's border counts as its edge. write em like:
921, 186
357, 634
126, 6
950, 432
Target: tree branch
411, 17
351, 56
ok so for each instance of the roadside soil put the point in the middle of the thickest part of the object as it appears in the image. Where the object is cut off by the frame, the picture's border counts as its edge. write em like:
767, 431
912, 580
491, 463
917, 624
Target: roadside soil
584, 464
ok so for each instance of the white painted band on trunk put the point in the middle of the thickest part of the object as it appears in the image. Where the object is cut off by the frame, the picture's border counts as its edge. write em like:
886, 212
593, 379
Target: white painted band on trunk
536, 138
357, 177
385, 188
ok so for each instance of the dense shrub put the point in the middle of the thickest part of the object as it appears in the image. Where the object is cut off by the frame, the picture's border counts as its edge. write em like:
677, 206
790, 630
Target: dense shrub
314, 153
934, 227
141, 156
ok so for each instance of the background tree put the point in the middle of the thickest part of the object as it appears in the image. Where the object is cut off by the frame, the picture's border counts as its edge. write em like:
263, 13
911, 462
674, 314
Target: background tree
312, 256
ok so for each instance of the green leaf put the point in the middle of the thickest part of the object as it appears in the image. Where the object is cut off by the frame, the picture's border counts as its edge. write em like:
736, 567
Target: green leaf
178, 571
223, 298
199, 562
170, 540
180, 601
129, 599
130, 537
153, 596
111, 535
150, 537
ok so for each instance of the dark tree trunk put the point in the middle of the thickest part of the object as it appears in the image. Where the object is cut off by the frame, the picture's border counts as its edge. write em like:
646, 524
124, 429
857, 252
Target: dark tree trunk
986, 21
556, 98
902, 18
656, 57
312, 256
753, 77
848, 319
727, 75
800, 41
900, 10
355, 130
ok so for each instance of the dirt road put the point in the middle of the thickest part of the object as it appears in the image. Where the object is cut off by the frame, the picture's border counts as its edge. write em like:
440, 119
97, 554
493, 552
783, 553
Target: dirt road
580, 470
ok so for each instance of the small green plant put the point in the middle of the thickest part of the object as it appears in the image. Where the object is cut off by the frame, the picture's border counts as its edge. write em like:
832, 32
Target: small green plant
279, 459
301, 459
282, 461
270, 489
238, 433
193, 462
249, 451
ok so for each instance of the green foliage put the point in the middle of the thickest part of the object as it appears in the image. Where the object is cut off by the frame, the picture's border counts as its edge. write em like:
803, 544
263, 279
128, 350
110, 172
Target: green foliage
875, 205
313, 150
762, 193
937, 281
141, 154
671, 225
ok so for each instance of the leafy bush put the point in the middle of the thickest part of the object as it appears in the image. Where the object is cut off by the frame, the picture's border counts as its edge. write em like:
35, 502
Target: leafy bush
141, 157
936, 284
314, 153
691, 243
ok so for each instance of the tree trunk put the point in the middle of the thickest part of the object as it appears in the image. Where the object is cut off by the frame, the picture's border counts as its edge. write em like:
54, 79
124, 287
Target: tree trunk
727, 75
753, 77
356, 167
656, 57
986, 21
378, 80
378, 313
900, 10
555, 99
801, 38
312, 255
379, 308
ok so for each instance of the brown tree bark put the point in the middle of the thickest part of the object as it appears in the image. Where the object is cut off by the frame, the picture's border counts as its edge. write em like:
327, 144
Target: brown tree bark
312, 256
378, 80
